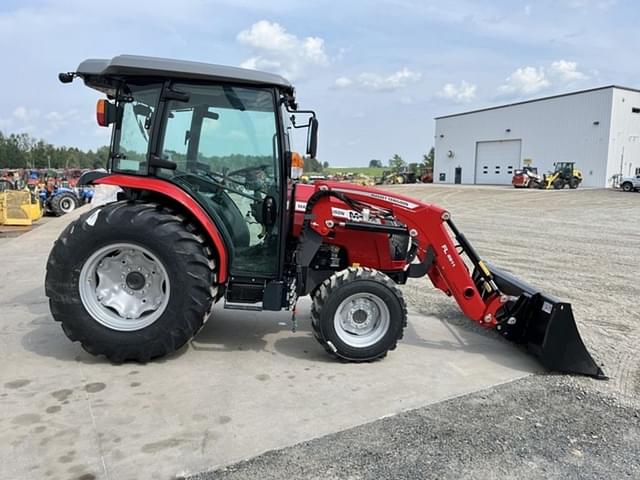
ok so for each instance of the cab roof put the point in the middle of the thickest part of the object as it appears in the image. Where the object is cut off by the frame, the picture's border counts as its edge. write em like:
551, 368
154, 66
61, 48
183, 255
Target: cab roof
96, 71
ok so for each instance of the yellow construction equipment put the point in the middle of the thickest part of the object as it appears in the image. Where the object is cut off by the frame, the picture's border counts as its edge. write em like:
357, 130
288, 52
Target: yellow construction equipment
565, 173
19, 207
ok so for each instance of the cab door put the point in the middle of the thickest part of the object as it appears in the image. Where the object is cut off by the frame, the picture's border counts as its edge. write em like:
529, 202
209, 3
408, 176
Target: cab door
224, 142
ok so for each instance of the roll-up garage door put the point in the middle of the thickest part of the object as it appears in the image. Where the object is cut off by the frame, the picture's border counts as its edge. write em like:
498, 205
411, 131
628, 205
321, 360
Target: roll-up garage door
496, 161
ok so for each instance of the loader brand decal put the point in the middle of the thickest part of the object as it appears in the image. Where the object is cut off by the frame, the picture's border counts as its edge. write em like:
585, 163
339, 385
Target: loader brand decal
445, 250
379, 196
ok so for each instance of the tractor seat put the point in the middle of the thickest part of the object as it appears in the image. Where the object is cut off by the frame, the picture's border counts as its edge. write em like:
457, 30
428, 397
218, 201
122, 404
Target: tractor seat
234, 227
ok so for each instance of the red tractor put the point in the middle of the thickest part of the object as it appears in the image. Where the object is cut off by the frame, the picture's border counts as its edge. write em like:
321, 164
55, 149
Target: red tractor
209, 212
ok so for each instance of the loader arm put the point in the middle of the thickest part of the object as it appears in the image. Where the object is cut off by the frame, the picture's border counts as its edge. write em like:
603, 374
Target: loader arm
488, 296
438, 246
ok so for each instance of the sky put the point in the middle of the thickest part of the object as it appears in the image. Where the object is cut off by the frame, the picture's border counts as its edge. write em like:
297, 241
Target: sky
376, 72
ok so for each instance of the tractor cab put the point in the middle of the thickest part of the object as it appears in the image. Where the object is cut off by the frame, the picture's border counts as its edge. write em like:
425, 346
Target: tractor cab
220, 134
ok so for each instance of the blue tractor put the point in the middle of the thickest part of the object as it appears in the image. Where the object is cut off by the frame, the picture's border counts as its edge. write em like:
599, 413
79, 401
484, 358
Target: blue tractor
61, 200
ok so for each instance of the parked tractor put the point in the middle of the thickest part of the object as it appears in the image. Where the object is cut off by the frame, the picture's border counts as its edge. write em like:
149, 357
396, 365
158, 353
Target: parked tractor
57, 200
210, 212
565, 173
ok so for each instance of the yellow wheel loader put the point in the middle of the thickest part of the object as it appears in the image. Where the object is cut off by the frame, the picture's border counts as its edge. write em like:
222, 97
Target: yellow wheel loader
565, 173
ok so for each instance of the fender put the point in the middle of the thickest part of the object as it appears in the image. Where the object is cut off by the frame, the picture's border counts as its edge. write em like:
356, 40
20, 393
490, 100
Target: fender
171, 191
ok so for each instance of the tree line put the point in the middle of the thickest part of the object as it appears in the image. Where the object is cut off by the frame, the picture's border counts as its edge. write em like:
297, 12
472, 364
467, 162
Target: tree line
398, 164
20, 150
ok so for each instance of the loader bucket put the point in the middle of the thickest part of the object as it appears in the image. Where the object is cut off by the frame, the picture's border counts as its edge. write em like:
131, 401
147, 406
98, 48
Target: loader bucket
546, 325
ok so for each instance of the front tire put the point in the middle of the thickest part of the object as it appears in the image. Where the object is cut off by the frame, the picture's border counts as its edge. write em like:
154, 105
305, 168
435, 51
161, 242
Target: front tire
358, 315
130, 281
558, 184
627, 187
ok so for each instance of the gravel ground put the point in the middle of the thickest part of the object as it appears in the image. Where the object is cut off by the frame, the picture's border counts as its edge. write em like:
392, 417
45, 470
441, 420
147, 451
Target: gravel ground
581, 246
534, 428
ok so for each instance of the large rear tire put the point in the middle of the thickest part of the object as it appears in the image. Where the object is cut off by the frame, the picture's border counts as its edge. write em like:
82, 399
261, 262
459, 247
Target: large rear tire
358, 315
63, 203
131, 281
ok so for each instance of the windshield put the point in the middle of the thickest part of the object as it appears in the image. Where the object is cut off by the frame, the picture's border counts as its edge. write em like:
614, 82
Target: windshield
138, 104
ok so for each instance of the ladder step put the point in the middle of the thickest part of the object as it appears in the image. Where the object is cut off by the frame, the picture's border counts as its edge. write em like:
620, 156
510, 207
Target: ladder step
251, 307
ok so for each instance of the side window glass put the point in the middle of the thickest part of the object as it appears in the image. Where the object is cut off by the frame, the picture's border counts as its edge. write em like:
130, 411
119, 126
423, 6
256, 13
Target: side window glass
134, 128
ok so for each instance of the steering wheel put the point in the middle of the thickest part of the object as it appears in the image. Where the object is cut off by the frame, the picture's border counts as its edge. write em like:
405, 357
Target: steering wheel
226, 177
244, 171
210, 180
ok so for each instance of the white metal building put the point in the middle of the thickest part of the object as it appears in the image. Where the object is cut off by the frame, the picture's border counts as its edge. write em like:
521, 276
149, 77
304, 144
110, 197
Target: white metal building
599, 129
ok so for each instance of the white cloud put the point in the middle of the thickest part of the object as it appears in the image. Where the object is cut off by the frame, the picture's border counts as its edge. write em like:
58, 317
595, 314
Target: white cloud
529, 80
343, 82
566, 71
396, 80
25, 114
525, 80
462, 93
377, 82
56, 120
279, 51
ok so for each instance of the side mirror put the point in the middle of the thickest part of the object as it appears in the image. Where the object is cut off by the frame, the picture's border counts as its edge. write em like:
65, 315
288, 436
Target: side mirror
105, 113
312, 137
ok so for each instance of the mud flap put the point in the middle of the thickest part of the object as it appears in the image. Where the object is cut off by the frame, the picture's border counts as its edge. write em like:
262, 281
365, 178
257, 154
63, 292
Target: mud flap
546, 325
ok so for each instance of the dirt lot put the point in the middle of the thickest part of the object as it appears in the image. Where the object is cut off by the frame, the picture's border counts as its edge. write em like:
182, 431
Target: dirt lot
582, 246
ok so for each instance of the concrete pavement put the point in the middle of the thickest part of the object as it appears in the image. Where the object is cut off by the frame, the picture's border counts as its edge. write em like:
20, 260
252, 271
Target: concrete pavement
245, 385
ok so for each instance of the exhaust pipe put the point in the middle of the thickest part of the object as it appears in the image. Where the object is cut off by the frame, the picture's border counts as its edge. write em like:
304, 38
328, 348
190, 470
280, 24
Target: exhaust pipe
545, 324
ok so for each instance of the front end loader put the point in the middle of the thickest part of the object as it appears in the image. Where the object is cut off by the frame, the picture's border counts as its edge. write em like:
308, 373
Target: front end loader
564, 174
211, 211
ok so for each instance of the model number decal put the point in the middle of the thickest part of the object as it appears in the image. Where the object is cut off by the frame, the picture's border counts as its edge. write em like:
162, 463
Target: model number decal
348, 214
445, 250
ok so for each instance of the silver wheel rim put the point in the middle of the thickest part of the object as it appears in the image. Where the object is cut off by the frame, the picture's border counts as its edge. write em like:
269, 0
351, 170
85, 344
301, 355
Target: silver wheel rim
361, 320
66, 205
124, 287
